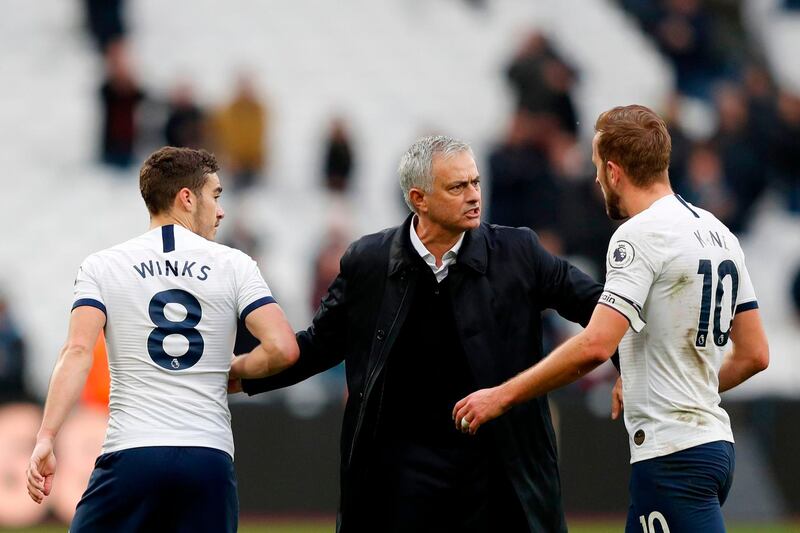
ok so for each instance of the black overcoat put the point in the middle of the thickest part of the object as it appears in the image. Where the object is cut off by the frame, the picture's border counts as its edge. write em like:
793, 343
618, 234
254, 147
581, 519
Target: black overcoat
501, 282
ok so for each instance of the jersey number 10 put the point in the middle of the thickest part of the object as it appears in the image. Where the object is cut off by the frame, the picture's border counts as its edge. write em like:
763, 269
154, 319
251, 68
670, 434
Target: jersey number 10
165, 327
726, 268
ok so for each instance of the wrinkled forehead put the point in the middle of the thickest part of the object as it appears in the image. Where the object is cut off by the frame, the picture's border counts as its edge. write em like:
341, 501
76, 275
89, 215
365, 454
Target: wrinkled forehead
456, 166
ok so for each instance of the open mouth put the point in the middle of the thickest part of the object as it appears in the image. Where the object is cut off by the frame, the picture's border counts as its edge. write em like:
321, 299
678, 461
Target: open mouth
473, 213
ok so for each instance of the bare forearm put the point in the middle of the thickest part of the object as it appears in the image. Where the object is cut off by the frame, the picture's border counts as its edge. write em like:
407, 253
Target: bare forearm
261, 362
736, 370
569, 362
66, 385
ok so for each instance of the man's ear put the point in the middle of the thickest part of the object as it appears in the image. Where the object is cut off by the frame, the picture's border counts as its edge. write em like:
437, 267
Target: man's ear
186, 200
418, 200
613, 173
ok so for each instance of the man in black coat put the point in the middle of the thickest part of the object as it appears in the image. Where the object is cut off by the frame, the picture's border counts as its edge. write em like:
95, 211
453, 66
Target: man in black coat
421, 314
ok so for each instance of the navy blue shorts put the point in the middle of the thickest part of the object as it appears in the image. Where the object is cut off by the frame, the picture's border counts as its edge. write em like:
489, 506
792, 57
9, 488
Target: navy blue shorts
160, 488
683, 491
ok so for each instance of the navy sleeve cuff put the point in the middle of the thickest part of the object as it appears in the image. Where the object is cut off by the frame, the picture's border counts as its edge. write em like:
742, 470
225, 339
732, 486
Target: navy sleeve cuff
747, 306
255, 305
90, 302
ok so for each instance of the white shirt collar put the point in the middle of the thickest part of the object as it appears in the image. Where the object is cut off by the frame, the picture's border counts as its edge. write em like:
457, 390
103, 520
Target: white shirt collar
448, 258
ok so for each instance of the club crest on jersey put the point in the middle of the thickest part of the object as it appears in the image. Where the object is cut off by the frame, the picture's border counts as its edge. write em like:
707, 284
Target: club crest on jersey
621, 255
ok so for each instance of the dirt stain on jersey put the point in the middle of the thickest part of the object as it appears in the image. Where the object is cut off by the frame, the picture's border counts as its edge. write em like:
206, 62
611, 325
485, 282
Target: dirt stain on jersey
690, 416
692, 355
682, 282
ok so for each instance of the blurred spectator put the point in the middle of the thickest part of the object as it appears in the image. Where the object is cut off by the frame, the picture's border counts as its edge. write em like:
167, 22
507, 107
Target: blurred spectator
706, 187
185, 125
681, 145
326, 264
241, 238
684, 33
582, 226
338, 156
524, 191
760, 92
742, 154
326, 268
647, 12
542, 81
785, 148
796, 292
12, 357
120, 96
105, 21
240, 131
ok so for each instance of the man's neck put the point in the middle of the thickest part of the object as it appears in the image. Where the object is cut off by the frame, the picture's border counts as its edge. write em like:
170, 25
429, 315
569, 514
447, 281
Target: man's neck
436, 239
640, 199
165, 219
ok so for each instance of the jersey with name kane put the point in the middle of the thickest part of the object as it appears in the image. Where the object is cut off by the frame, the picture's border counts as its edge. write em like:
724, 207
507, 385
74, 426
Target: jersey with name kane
678, 275
172, 301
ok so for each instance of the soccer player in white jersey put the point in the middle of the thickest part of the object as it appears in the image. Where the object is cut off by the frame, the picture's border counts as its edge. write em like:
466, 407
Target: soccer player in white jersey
169, 301
676, 290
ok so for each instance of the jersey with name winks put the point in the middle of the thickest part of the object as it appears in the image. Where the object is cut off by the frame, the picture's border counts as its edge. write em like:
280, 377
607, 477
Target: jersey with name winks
678, 275
172, 301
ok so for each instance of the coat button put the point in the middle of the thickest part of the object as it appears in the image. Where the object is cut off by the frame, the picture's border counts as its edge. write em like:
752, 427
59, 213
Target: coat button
381, 335
360, 395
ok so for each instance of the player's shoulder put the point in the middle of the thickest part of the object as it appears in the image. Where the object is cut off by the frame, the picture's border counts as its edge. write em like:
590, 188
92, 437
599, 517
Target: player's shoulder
641, 227
226, 253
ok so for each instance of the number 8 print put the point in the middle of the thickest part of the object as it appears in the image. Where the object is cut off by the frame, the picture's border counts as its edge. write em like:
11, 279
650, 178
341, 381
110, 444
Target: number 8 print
165, 327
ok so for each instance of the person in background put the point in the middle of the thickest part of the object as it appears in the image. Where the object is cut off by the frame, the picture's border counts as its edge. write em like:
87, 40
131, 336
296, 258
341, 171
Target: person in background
120, 97
240, 132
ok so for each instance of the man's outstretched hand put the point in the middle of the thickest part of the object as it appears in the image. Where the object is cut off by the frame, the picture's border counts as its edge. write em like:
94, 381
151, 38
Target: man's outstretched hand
478, 408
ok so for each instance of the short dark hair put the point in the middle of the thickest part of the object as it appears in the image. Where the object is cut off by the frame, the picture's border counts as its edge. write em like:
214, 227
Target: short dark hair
170, 169
635, 138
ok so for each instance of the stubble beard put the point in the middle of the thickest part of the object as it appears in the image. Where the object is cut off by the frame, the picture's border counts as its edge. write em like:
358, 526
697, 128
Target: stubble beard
613, 209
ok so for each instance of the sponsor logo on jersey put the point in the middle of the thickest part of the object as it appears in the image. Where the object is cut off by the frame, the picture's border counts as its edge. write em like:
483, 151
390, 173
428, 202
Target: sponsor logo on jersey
638, 437
621, 255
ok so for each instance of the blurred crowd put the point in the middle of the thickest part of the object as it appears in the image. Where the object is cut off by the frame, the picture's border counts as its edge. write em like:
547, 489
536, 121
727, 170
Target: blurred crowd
539, 172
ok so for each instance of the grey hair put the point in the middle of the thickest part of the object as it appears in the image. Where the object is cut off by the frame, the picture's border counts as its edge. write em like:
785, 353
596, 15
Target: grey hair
416, 164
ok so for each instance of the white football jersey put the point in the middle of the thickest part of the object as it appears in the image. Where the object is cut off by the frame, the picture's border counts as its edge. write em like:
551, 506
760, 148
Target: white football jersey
678, 275
172, 301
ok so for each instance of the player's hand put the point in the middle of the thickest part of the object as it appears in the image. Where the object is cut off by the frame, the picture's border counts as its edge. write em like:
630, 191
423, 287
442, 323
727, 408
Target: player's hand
478, 408
237, 369
234, 385
616, 399
41, 469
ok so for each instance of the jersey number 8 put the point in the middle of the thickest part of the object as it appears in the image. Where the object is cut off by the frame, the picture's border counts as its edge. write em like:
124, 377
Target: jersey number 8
165, 327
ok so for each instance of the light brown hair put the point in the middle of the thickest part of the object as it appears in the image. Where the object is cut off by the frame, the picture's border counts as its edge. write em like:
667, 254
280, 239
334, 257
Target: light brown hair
170, 169
635, 138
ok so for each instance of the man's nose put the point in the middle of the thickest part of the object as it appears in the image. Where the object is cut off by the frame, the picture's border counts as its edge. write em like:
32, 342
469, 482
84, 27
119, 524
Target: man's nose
474, 193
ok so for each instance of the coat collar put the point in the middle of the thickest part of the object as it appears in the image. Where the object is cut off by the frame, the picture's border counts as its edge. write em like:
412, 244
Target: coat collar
473, 253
